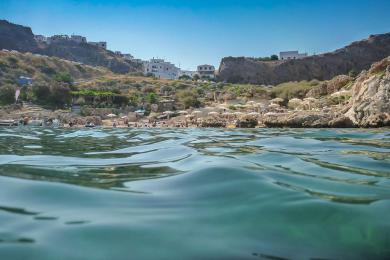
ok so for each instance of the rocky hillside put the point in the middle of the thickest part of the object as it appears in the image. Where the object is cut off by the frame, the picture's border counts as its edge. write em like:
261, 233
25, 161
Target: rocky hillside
20, 38
41, 68
354, 57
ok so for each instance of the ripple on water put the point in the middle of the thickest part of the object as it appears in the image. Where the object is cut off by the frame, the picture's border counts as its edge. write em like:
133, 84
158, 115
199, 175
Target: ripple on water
194, 193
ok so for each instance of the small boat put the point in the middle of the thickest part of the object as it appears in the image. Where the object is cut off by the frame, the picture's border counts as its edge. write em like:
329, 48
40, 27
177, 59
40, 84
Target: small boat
89, 124
8, 123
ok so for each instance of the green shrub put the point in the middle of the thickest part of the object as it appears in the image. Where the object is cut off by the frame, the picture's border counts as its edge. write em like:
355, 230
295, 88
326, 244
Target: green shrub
294, 89
63, 77
7, 95
152, 98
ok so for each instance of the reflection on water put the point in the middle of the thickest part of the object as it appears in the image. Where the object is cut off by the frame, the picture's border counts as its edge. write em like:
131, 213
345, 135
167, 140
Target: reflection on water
194, 194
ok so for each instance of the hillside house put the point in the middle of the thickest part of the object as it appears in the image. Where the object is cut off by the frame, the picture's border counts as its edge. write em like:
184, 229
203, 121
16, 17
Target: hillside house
291, 55
161, 69
206, 71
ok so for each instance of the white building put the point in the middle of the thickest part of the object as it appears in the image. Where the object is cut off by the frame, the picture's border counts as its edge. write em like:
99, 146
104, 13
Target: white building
291, 55
78, 38
161, 69
206, 71
102, 45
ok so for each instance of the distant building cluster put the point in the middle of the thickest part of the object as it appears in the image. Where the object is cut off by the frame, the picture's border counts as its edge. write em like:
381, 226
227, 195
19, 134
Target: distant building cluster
166, 70
291, 55
157, 67
64, 37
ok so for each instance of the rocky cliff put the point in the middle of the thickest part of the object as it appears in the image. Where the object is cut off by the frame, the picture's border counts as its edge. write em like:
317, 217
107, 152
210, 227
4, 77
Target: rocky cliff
20, 38
354, 57
369, 105
16, 37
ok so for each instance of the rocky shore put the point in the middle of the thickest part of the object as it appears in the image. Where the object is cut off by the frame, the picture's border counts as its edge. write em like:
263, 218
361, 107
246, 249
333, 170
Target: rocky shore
360, 102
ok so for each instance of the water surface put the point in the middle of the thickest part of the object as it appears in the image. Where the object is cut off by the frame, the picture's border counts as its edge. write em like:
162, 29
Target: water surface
194, 194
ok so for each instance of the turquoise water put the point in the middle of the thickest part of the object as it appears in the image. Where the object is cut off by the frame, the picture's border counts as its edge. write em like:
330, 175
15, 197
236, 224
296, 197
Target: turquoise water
194, 194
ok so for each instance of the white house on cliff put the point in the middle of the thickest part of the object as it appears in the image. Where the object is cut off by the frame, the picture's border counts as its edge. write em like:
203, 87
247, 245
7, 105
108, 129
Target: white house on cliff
161, 69
291, 55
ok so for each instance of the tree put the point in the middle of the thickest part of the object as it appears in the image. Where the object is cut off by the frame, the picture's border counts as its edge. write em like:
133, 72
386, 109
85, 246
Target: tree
196, 77
151, 98
55, 96
274, 57
41, 93
7, 95
64, 77
184, 77
59, 96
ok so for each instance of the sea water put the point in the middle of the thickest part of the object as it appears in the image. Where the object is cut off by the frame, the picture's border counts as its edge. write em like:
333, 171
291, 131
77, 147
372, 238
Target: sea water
194, 193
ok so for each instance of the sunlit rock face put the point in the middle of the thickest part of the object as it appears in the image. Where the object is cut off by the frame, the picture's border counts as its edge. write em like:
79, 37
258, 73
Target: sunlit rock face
370, 102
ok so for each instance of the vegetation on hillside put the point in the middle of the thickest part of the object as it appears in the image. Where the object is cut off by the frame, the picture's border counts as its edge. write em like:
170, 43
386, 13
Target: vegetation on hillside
293, 89
58, 83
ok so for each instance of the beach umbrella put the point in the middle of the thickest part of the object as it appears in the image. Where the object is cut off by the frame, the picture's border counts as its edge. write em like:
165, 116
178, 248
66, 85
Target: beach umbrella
271, 114
124, 117
196, 112
277, 100
341, 93
253, 114
223, 106
111, 115
310, 99
273, 105
213, 113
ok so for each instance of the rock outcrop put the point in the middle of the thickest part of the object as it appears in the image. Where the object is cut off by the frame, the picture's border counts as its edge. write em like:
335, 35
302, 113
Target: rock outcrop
307, 119
330, 87
20, 38
354, 57
370, 102
369, 105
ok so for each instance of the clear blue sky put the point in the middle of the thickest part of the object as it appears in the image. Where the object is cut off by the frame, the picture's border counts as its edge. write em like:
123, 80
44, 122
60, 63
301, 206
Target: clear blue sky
197, 32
